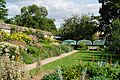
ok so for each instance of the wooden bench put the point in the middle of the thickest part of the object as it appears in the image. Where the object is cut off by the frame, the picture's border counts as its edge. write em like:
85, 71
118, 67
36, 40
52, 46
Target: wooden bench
93, 47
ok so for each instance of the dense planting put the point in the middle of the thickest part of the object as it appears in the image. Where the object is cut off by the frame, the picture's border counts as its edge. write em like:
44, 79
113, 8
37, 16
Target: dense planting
10, 49
34, 52
21, 37
86, 72
11, 69
45, 51
30, 46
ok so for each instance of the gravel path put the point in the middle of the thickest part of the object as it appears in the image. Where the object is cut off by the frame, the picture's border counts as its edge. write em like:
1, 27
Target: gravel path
48, 60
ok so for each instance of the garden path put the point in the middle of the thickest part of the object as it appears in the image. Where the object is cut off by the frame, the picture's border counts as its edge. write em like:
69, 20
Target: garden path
48, 60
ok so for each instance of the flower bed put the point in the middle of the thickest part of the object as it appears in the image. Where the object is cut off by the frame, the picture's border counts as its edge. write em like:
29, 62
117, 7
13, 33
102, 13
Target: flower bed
86, 72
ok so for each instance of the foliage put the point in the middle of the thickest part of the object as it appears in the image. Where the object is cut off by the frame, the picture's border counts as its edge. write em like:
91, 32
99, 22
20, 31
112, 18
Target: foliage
34, 38
26, 58
18, 43
65, 48
78, 27
108, 12
1, 21
43, 41
110, 22
110, 7
34, 17
91, 72
10, 69
4, 36
50, 51
114, 42
52, 76
54, 50
82, 45
43, 51
3, 10
40, 35
46, 40
21, 37
15, 51
11, 49
27, 31
34, 51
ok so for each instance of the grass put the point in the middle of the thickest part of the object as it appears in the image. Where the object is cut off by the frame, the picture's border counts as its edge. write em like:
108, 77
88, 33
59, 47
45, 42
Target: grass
82, 57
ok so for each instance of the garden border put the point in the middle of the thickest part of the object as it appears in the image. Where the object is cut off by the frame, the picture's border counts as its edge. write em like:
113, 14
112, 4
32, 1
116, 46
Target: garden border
48, 60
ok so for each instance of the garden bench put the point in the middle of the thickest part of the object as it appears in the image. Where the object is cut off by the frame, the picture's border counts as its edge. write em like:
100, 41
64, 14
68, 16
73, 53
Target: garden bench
93, 47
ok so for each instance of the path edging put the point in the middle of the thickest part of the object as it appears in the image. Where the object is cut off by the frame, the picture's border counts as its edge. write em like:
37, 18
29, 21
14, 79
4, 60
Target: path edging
48, 60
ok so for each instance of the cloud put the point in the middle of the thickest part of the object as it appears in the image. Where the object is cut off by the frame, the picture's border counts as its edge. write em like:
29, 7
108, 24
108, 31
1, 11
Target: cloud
57, 9
13, 9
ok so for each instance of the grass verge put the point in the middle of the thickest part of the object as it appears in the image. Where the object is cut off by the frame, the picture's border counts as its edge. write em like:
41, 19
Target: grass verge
81, 57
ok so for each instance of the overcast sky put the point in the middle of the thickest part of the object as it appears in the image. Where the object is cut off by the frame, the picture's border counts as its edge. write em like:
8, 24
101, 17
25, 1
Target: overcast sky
57, 9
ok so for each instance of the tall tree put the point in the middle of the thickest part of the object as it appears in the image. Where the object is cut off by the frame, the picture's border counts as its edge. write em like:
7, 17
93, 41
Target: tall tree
110, 22
3, 10
78, 27
34, 17
31, 16
109, 11
114, 37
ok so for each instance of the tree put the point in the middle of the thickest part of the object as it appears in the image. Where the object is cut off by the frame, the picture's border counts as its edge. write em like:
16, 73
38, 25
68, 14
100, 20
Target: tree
110, 22
3, 10
76, 27
34, 17
115, 36
109, 11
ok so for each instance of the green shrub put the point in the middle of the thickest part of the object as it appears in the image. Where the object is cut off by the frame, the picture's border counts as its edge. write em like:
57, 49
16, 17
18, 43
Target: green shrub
21, 37
43, 41
10, 69
4, 36
26, 58
35, 52
55, 50
87, 72
83, 46
46, 41
49, 49
53, 76
65, 48
11, 49
27, 31
39, 34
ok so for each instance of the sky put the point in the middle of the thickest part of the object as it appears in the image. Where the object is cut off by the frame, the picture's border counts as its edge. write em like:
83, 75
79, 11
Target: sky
57, 9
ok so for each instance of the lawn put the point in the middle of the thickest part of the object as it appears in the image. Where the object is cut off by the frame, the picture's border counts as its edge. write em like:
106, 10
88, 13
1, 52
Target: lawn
82, 57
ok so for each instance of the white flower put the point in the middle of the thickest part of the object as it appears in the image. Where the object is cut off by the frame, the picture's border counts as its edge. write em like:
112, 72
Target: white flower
6, 50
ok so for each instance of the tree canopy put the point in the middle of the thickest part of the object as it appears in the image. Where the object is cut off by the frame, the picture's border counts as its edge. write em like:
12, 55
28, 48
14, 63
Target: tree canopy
34, 17
3, 10
109, 11
78, 27
110, 22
